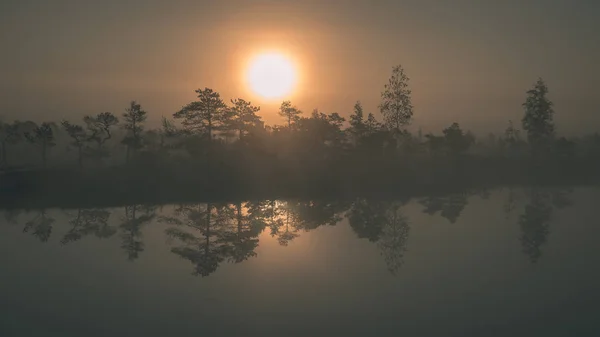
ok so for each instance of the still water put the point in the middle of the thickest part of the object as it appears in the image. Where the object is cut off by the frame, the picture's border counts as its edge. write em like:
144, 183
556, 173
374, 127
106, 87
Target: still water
506, 262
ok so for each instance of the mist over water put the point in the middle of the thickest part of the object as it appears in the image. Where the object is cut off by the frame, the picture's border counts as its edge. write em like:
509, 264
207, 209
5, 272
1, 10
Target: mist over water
506, 261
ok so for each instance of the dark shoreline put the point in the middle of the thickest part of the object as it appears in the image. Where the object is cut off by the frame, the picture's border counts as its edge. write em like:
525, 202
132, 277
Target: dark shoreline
122, 186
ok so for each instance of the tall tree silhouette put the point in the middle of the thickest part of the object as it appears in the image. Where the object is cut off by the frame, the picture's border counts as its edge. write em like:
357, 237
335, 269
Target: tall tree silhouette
357, 122
372, 124
290, 113
539, 115
100, 131
243, 116
134, 118
43, 137
396, 105
9, 135
78, 136
204, 116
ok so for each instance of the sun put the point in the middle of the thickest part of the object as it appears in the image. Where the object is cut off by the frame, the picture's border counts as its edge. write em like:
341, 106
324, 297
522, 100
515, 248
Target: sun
271, 75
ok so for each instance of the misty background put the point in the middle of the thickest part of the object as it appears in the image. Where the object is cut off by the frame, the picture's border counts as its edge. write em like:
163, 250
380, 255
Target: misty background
469, 61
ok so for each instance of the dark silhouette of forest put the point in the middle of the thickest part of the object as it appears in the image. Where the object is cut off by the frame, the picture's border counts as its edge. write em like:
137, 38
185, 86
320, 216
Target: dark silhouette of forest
211, 234
215, 151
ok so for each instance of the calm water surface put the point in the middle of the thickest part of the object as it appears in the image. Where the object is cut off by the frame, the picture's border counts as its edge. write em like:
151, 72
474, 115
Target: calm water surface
508, 262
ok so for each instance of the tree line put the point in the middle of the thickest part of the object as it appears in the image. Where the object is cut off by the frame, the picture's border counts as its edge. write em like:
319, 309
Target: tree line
214, 139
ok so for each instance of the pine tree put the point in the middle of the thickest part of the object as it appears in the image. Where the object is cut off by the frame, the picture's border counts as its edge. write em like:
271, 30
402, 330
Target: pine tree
372, 124
204, 116
243, 116
289, 112
134, 118
357, 121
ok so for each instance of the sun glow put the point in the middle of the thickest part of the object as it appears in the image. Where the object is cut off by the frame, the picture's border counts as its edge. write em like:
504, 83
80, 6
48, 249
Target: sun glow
271, 75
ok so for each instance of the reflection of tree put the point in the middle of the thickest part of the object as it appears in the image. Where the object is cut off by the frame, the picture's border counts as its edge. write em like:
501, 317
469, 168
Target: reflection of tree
535, 221
278, 217
41, 226
135, 217
394, 237
450, 207
209, 234
314, 214
509, 203
89, 221
384, 223
367, 219
287, 218
244, 238
200, 232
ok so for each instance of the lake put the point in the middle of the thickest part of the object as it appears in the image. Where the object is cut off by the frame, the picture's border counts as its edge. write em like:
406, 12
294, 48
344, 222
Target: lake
503, 262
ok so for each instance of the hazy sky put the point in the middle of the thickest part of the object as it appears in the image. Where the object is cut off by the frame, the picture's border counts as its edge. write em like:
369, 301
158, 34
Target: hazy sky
469, 61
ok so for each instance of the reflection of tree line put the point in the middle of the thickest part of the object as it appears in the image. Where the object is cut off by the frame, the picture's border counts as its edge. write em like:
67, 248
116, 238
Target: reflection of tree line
210, 234
383, 223
535, 219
